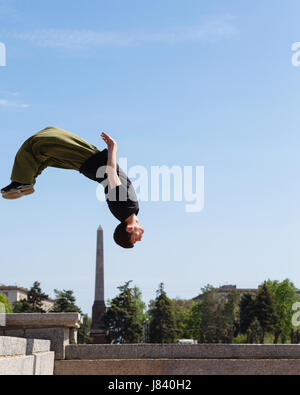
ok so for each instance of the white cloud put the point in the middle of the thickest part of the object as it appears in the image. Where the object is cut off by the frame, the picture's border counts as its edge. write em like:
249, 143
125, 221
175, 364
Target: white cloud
8, 103
209, 30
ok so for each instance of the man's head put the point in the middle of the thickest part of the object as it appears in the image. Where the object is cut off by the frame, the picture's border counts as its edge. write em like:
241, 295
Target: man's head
128, 233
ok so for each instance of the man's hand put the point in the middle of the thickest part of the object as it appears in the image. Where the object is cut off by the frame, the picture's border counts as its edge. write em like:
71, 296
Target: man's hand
111, 143
111, 168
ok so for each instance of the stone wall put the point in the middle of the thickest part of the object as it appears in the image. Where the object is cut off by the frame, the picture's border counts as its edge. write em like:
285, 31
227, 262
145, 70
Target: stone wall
25, 357
173, 359
60, 328
29, 343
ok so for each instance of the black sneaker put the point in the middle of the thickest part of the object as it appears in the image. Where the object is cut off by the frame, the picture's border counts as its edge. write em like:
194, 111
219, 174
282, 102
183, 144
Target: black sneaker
16, 190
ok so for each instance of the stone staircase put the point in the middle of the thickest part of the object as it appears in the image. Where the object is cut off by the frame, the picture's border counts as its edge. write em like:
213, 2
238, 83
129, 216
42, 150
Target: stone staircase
172, 359
30, 357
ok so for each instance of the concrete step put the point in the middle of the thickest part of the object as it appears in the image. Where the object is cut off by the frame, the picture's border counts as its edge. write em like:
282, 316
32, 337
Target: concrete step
178, 367
173, 359
175, 351
25, 357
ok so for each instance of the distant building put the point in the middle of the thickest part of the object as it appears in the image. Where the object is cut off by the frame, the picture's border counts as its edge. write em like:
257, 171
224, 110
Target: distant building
225, 290
16, 294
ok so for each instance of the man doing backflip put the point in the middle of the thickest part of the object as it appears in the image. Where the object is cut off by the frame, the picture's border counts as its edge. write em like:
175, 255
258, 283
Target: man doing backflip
53, 147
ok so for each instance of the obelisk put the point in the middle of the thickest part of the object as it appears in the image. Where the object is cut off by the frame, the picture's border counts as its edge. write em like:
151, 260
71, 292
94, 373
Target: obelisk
97, 333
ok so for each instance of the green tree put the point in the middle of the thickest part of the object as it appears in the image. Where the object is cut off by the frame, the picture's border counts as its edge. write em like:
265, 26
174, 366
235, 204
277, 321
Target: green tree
254, 332
266, 310
23, 306
285, 296
65, 302
7, 307
209, 312
227, 318
161, 318
141, 314
183, 315
34, 302
83, 331
247, 312
123, 318
195, 321
214, 319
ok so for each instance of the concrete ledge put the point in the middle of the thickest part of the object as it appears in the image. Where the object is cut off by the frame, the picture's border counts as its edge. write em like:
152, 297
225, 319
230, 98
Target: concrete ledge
58, 337
60, 328
35, 346
44, 364
63, 320
27, 365
10, 346
174, 351
25, 357
18, 365
179, 367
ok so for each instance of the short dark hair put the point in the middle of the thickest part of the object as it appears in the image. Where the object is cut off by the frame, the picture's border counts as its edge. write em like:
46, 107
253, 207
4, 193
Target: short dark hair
122, 237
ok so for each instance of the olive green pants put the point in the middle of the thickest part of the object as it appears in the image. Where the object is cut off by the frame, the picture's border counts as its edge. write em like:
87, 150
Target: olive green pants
51, 147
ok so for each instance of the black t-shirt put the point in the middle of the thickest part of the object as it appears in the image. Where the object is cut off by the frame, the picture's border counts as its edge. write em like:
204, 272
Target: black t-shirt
122, 200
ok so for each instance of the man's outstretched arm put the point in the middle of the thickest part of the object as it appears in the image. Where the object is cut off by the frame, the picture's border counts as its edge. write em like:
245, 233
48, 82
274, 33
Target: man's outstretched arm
111, 170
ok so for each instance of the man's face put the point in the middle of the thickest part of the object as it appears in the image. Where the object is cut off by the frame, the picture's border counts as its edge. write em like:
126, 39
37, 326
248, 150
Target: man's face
136, 232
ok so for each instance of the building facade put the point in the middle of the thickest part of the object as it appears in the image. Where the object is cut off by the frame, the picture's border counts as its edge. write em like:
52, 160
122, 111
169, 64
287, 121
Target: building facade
16, 294
225, 290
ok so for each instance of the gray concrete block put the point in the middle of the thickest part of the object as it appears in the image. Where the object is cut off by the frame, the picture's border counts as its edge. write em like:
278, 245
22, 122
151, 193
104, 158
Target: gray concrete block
175, 351
59, 338
179, 367
14, 332
14, 361
59, 328
35, 346
10, 346
30, 365
43, 364
18, 365
69, 320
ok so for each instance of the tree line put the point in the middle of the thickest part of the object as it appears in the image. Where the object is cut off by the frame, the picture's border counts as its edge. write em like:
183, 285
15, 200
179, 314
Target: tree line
263, 317
65, 302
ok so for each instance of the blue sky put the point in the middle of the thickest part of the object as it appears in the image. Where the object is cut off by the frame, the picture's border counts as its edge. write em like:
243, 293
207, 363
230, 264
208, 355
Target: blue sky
187, 83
